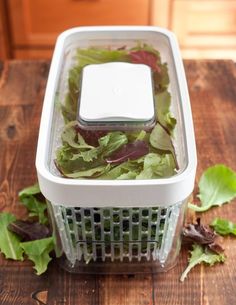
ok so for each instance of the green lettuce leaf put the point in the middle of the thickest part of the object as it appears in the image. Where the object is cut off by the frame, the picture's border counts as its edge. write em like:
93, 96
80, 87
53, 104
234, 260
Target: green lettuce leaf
217, 186
161, 140
83, 154
199, 255
90, 173
156, 166
76, 161
161, 77
31, 190
112, 142
9, 242
71, 137
38, 252
99, 55
224, 226
126, 170
36, 206
164, 116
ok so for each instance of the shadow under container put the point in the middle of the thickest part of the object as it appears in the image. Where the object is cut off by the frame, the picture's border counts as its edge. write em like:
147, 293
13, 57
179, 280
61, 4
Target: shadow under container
116, 226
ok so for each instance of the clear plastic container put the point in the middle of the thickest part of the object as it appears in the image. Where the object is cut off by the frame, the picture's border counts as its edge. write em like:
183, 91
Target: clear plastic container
117, 226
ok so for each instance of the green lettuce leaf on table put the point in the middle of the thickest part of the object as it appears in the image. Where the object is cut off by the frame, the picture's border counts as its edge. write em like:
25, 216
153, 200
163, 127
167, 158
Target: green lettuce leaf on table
217, 186
201, 254
38, 252
21, 238
33, 200
9, 242
223, 226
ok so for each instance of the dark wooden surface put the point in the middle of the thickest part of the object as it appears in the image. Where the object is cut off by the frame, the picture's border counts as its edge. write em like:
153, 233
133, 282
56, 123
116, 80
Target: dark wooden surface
212, 86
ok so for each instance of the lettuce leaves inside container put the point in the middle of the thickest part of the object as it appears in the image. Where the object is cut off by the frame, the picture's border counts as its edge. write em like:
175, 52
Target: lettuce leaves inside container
164, 115
118, 154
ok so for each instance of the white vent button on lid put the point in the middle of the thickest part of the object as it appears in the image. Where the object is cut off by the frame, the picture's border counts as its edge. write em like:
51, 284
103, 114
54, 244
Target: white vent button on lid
116, 92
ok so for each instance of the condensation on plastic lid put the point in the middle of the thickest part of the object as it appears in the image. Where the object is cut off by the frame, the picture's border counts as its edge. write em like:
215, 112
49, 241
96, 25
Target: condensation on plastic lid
116, 92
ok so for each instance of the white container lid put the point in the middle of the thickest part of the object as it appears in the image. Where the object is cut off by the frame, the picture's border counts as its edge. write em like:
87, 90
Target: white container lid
116, 92
116, 193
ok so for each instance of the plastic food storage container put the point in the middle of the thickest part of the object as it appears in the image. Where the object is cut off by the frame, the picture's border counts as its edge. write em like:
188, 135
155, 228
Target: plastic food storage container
127, 224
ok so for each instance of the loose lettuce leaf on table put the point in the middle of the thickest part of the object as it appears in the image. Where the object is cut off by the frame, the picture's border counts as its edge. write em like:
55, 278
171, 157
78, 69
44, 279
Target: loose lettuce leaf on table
28, 230
9, 242
38, 252
32, 199
223, 226
217, 186
199, 255
202, 235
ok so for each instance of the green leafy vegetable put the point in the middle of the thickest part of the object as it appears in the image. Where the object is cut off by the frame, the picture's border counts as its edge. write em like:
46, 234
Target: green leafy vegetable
217, 186
156, 166
161, 140
31, 190
126, 170
85, 152
89, 173
199, 255
9, 242
32, 199
77, 162
130, 151
100, 55
38, 252
71, 137
164, 116
224, 226
147, 58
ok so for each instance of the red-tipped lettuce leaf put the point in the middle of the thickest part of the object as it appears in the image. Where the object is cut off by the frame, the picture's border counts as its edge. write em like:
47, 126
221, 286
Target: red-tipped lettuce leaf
202, 235
130, 151
146, 58
29, 231
91, 136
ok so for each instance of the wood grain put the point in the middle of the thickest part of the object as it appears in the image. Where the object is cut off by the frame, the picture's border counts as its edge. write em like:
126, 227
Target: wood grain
213, 96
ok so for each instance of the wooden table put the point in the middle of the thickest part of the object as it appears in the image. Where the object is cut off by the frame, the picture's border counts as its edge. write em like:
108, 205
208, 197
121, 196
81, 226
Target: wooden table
212, 86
